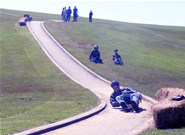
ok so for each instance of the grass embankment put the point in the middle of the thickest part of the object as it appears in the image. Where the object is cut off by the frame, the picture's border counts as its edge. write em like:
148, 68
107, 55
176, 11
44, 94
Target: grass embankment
180, 131
33, 91
153, 55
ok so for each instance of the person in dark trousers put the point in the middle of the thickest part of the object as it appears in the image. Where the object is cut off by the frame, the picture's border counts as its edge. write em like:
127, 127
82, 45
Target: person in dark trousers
63, 14
68, 14
95, 55
90, 16
125, 96
117, 58
75, 14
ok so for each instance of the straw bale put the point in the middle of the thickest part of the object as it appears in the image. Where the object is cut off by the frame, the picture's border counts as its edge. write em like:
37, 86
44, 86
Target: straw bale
169, 93
168, 113
22, 22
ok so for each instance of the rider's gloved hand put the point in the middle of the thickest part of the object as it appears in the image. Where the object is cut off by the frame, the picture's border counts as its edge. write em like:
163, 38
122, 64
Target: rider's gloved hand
140, 96
90, 59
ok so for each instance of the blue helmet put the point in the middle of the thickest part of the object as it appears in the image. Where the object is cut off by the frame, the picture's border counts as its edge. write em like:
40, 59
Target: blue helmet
96, 47
113, 83
116, 49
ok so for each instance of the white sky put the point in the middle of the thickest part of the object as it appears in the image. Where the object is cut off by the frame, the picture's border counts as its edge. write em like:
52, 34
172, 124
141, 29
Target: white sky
146, 12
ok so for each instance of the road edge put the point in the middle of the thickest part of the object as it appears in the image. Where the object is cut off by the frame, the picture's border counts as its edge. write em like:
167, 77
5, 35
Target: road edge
77, 118
68, 121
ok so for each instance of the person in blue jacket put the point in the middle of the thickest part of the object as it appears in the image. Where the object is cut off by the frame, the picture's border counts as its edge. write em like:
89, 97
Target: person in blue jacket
95, 55
125, 96
75, 14
117, 58
68, 14
64, 14
90, 16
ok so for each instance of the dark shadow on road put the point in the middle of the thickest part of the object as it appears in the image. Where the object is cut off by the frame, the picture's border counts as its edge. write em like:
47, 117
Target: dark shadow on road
128, 111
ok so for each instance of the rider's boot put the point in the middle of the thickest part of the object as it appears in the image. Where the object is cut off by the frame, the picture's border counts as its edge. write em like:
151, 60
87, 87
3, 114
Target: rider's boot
123, 105
134, 105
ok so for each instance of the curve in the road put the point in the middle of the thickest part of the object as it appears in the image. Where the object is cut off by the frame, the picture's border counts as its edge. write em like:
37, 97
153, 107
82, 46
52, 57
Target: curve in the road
111, 121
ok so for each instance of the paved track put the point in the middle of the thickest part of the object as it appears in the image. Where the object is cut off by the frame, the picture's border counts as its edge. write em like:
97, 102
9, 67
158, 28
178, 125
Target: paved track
112, 121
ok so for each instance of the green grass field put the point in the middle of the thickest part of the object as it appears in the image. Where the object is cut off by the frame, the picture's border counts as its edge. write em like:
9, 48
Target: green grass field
180, 131
30, 84
33, 91
153, 55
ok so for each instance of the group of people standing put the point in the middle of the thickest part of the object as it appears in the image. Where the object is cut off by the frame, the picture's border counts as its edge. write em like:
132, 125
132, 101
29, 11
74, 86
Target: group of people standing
66, 14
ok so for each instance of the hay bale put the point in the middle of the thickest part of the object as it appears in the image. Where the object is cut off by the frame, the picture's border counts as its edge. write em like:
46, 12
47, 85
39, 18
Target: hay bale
169, 93
22, 21
168, 113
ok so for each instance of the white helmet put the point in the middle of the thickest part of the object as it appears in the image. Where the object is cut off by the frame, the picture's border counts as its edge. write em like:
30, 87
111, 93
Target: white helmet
96, 47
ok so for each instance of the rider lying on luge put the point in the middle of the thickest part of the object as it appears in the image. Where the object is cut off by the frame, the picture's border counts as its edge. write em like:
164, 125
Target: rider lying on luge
125, 96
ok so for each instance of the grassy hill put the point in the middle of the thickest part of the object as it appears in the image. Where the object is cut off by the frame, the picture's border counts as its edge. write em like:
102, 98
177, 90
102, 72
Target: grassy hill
34, 92
153, 55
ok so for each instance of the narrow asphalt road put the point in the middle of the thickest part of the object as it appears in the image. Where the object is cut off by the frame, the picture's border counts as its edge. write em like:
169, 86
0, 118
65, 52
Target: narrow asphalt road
111, 121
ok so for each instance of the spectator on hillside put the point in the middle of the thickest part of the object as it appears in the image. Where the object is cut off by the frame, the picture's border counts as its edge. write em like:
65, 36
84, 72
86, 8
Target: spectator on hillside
75, 14
68, 14
95, 55
63, 14
117, 58
90, 16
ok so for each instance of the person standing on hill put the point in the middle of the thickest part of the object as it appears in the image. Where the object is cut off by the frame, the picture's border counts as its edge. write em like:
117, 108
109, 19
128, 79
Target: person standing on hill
68, 14
75, 14
90, 16
64, 14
